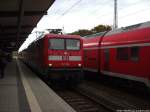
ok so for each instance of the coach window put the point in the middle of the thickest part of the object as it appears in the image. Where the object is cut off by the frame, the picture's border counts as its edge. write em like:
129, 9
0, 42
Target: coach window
134, 53
72, 44
57, 44
122, 53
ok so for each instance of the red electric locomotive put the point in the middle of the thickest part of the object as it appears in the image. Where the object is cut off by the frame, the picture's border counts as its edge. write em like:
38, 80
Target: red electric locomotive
123, 53
57, 56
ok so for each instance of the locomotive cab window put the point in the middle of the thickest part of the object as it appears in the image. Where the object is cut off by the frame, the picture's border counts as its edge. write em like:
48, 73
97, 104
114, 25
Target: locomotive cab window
72, 44
57, 44
123, 53
134, 53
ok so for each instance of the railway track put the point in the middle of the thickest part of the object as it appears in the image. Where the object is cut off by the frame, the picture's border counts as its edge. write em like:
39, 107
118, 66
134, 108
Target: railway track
93, 97
80, 102
98, 98
113, 99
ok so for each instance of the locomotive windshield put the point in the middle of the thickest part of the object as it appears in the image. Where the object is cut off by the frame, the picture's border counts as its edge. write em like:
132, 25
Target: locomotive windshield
64, 44
72, 44
57, 44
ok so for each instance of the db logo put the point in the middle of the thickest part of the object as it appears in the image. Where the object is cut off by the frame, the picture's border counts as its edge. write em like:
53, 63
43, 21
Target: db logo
65, 58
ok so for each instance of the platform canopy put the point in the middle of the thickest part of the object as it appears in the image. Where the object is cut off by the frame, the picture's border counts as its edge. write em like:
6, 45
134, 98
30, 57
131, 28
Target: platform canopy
17, 20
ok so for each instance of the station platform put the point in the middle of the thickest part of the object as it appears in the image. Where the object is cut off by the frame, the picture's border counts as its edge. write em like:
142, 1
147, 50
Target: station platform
22, 91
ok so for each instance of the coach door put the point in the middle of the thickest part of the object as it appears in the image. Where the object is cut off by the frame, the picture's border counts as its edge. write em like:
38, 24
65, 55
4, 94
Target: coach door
106, 59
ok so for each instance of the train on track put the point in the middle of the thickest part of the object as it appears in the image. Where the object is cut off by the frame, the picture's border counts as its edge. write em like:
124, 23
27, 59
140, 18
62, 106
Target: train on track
56, 57
123, 53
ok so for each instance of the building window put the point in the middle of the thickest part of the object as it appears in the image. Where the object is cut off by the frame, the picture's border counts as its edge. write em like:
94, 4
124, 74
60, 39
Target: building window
134, 53
123, 53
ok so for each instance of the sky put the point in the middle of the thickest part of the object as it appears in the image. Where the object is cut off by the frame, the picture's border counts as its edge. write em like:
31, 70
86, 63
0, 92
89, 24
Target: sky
72, 15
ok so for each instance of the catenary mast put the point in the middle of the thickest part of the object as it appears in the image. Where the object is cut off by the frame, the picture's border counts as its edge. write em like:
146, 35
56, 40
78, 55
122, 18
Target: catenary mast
115, 22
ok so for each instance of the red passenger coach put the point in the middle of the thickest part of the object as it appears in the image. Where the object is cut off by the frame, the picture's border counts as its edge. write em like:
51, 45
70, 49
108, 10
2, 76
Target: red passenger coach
92, 51
120, 53
57, 56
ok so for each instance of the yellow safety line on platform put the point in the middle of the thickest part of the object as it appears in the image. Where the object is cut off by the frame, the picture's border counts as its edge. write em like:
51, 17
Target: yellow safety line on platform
34, 105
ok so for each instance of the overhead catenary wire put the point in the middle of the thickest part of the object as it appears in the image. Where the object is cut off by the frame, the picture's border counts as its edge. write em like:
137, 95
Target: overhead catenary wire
58, 8
61, 11
125, 16
101, 16
105, 14
64, 13
100, 8
120, 9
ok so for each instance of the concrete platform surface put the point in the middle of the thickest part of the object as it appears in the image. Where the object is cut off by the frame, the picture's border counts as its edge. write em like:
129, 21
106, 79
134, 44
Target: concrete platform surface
22, 91
12, 96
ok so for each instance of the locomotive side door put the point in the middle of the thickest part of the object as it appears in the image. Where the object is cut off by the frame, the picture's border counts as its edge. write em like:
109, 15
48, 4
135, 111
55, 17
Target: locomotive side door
106, 59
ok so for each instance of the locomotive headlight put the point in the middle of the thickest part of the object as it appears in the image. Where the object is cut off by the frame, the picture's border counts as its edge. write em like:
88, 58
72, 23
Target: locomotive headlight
79, 65
50, 65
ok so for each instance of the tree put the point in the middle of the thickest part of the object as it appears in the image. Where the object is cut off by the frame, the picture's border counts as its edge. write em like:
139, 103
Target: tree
101, 28
82, 32
97, 29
